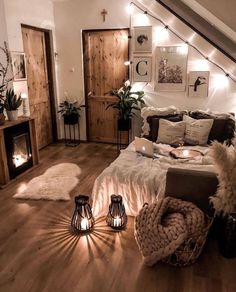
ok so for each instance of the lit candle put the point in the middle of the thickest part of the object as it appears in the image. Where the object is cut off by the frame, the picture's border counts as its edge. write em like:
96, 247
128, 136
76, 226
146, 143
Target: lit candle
185, 153
143, 148
117, 221
84, 224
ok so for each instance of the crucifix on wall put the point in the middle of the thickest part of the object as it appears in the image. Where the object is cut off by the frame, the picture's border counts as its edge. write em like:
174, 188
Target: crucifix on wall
104, 13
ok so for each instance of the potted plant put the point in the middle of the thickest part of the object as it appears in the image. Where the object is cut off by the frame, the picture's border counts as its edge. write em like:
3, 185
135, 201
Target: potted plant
127, 102
224, 201
11, 103
70, 112
4, 79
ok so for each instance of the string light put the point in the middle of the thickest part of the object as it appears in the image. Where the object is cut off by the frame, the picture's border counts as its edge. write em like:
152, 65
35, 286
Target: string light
183, 40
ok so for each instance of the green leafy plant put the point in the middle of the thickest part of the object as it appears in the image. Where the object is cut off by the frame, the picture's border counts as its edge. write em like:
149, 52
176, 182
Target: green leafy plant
127, 102
68, 108
12, 102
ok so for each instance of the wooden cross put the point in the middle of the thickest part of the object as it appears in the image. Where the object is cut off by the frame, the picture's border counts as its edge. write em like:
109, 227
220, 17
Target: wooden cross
104, 13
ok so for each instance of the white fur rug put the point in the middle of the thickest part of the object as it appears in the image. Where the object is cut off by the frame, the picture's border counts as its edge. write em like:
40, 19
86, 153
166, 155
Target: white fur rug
55, 184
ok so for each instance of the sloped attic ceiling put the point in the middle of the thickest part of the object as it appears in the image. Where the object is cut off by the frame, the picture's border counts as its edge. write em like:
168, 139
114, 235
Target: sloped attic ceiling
207, 30
187, 33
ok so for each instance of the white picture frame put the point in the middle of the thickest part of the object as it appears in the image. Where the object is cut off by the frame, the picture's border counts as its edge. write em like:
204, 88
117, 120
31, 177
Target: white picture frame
18, 66
171, 68
142, 39
198, 83
142, 69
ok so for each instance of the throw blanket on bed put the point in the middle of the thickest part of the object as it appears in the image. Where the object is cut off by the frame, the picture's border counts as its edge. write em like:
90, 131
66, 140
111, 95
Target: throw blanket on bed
140, 179
162, 227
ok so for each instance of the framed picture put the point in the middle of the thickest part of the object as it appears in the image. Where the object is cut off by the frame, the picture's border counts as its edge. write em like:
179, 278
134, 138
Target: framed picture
18, 66
171, 68
142, 39
198, 82
142, 69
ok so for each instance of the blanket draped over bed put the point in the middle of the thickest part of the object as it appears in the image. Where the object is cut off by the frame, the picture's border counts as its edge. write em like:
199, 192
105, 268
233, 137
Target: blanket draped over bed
140, 179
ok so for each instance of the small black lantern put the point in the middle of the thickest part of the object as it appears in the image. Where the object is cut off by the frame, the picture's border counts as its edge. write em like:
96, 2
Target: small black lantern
82, 219
116, 217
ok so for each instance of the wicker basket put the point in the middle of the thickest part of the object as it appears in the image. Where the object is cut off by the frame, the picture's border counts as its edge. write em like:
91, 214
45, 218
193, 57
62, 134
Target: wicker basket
191, 249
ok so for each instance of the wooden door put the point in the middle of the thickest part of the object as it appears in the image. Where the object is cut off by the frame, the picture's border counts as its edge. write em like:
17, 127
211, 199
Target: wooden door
38, 85
104, 55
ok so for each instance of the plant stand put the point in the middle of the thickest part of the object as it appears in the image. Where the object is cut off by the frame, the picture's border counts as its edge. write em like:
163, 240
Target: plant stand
227, 236
120, 135
70, 131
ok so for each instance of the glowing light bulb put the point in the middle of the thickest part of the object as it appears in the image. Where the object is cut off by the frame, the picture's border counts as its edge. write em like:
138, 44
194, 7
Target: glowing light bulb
130, 9
160, 34
127, 63
220, 81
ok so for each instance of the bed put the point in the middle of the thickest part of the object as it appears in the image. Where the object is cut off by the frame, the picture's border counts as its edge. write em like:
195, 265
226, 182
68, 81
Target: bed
140, 179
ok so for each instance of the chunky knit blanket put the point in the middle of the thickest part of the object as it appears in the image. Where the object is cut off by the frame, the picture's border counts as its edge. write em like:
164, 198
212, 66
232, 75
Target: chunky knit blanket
162, 227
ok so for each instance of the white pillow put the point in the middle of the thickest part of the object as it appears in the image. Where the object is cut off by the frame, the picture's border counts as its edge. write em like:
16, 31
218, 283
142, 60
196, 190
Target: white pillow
197, 131
170, 132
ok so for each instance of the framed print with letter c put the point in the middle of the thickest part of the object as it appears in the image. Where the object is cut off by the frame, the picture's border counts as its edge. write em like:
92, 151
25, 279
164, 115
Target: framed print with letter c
142, 69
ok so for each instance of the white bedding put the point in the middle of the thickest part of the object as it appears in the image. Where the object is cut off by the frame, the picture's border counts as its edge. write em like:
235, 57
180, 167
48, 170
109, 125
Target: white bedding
140, 179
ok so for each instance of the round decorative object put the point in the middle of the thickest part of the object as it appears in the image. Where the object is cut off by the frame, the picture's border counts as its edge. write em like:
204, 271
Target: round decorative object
185, 153
82, 219
116, 217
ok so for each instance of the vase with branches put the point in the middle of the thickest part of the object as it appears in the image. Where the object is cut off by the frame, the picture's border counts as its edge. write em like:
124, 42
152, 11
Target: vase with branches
4, 77
224, 201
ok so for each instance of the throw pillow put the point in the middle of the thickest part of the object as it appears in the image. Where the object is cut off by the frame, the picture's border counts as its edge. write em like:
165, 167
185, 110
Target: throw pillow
170, 132
197, 131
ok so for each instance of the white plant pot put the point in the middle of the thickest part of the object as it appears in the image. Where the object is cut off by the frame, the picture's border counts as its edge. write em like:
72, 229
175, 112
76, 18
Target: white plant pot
12, 115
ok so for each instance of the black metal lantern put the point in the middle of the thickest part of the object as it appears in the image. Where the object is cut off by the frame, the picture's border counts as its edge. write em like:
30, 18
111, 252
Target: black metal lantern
82, 219
116, 217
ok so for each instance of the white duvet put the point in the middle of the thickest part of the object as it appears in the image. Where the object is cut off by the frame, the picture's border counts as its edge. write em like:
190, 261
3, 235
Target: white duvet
140, 179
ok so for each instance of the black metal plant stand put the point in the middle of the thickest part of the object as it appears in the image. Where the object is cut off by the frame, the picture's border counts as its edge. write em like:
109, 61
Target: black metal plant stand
70, 134
122, 133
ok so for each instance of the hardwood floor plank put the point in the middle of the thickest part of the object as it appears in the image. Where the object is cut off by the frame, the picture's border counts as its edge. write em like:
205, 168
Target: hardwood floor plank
38, 252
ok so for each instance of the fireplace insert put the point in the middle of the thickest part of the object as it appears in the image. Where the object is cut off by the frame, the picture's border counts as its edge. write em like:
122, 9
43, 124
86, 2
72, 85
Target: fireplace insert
18, 149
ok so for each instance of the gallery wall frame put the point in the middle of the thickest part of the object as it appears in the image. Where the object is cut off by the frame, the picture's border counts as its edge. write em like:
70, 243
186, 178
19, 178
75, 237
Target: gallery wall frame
142, 36
198, 83
142, 69
171, 68
19, 66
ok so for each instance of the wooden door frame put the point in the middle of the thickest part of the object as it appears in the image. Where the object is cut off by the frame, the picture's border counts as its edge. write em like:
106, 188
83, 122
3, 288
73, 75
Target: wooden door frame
84, 32
51, 80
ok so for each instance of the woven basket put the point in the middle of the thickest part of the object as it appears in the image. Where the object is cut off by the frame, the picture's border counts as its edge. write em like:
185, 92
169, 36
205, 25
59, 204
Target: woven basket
191, 249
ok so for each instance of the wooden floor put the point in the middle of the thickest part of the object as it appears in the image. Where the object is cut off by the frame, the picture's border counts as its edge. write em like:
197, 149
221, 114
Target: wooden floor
38, 253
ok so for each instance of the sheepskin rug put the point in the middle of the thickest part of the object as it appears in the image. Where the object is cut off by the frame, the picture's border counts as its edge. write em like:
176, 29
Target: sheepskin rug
55, 184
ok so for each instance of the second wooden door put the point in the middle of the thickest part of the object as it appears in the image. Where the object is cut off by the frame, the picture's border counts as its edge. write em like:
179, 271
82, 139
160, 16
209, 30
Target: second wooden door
104, 55
37, 74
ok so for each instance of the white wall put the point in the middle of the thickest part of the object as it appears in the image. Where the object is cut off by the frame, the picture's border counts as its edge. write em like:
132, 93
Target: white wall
72, 16
38, 13
3, 27
3, 32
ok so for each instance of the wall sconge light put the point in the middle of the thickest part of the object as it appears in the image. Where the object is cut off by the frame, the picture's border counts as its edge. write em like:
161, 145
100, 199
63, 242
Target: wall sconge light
82, 219
116, 217
127, 63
